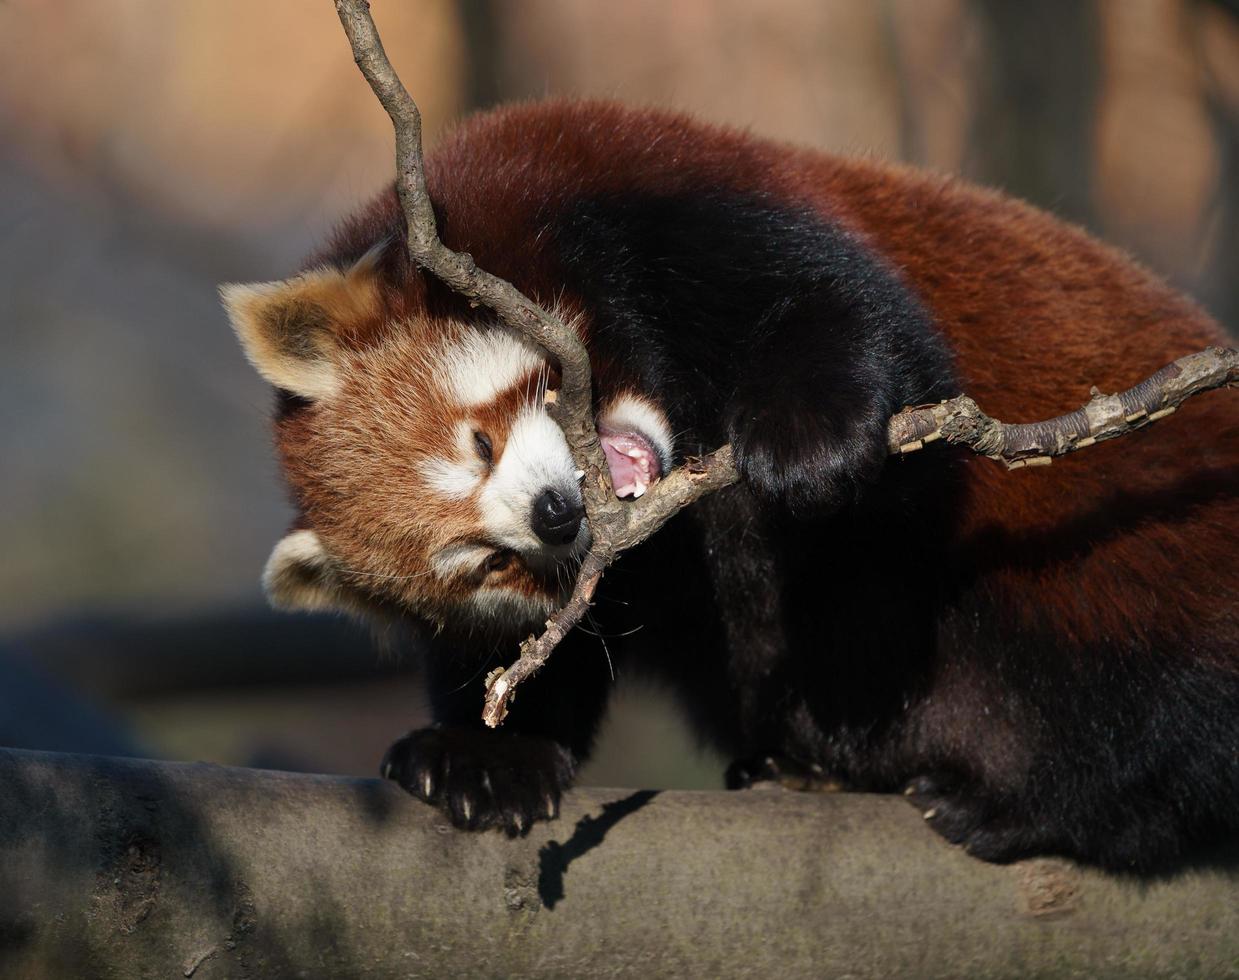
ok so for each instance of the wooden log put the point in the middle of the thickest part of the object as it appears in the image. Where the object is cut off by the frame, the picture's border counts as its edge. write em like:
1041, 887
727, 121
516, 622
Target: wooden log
129, 868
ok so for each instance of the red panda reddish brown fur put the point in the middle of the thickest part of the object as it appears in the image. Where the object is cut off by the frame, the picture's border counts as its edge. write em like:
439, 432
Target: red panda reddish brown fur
1048, 660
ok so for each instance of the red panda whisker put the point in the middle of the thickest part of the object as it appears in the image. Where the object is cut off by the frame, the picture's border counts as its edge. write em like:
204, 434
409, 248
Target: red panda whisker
597, 631
490, 658
603, 640
384, 576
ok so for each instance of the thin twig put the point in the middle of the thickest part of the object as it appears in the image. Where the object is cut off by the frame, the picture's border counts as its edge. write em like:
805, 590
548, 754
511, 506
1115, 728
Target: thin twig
961, 422
690, 482
572, 410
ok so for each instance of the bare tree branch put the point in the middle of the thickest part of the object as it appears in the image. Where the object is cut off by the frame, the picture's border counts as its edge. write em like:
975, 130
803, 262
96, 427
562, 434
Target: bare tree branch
616, 525
572, 409
961, 422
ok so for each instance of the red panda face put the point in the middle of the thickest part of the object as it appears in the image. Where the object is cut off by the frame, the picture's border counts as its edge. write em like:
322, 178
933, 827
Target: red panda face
435, 478
429, 474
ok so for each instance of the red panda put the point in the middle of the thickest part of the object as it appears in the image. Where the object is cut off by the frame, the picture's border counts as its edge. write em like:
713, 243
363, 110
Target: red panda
1044, 661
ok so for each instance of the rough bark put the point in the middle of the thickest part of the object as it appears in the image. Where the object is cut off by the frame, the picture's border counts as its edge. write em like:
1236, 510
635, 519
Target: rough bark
961, 422
122, 869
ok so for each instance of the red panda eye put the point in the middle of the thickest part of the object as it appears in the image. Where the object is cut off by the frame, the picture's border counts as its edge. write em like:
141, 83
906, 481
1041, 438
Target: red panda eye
486, 452
499, 560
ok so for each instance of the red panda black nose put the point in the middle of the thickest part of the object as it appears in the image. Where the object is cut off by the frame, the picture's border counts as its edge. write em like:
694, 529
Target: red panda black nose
554, 519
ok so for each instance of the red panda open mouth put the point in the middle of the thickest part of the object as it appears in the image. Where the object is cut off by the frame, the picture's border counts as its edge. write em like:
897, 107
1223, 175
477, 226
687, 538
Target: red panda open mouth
633, 461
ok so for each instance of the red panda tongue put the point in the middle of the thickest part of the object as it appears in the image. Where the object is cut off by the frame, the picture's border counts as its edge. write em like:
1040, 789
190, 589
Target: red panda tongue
633, 463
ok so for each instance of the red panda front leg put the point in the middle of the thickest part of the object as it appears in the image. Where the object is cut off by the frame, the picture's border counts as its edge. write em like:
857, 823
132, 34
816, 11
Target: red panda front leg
808, 418
482, 779
511, 777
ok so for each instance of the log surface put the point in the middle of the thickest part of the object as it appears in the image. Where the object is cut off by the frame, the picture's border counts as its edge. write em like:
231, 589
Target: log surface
129, 868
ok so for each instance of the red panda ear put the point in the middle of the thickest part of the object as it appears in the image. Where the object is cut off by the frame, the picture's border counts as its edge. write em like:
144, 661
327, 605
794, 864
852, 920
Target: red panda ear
291, 329
301, 577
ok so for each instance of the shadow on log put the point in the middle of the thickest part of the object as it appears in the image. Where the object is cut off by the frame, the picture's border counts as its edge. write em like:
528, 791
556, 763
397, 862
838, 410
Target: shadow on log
124, 868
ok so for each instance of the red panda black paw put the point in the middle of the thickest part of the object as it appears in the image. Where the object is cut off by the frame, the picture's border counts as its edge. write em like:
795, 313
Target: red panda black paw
980, 824
788, 773
803, 460
744, 773
482, 779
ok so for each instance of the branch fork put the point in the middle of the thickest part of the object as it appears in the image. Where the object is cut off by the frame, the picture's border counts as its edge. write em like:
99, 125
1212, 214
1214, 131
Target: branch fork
617, 525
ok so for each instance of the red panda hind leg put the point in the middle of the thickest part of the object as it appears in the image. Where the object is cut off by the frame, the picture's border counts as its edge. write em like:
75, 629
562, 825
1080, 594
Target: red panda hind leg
1125, 758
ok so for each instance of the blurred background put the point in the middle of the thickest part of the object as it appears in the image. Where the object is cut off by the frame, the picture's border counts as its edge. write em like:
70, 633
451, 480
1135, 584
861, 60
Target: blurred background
149, 151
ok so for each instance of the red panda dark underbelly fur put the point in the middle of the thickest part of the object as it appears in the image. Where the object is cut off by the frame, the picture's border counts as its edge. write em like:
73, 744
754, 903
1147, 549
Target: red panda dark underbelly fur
1048, 660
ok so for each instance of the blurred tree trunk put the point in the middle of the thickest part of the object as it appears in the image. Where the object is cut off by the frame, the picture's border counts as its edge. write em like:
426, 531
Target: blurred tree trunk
484, 55
1033, 132
1219, 284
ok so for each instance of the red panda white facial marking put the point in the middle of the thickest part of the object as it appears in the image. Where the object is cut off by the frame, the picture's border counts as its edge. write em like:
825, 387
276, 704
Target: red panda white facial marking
458, 475
478, 365
504, 454
535, 462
